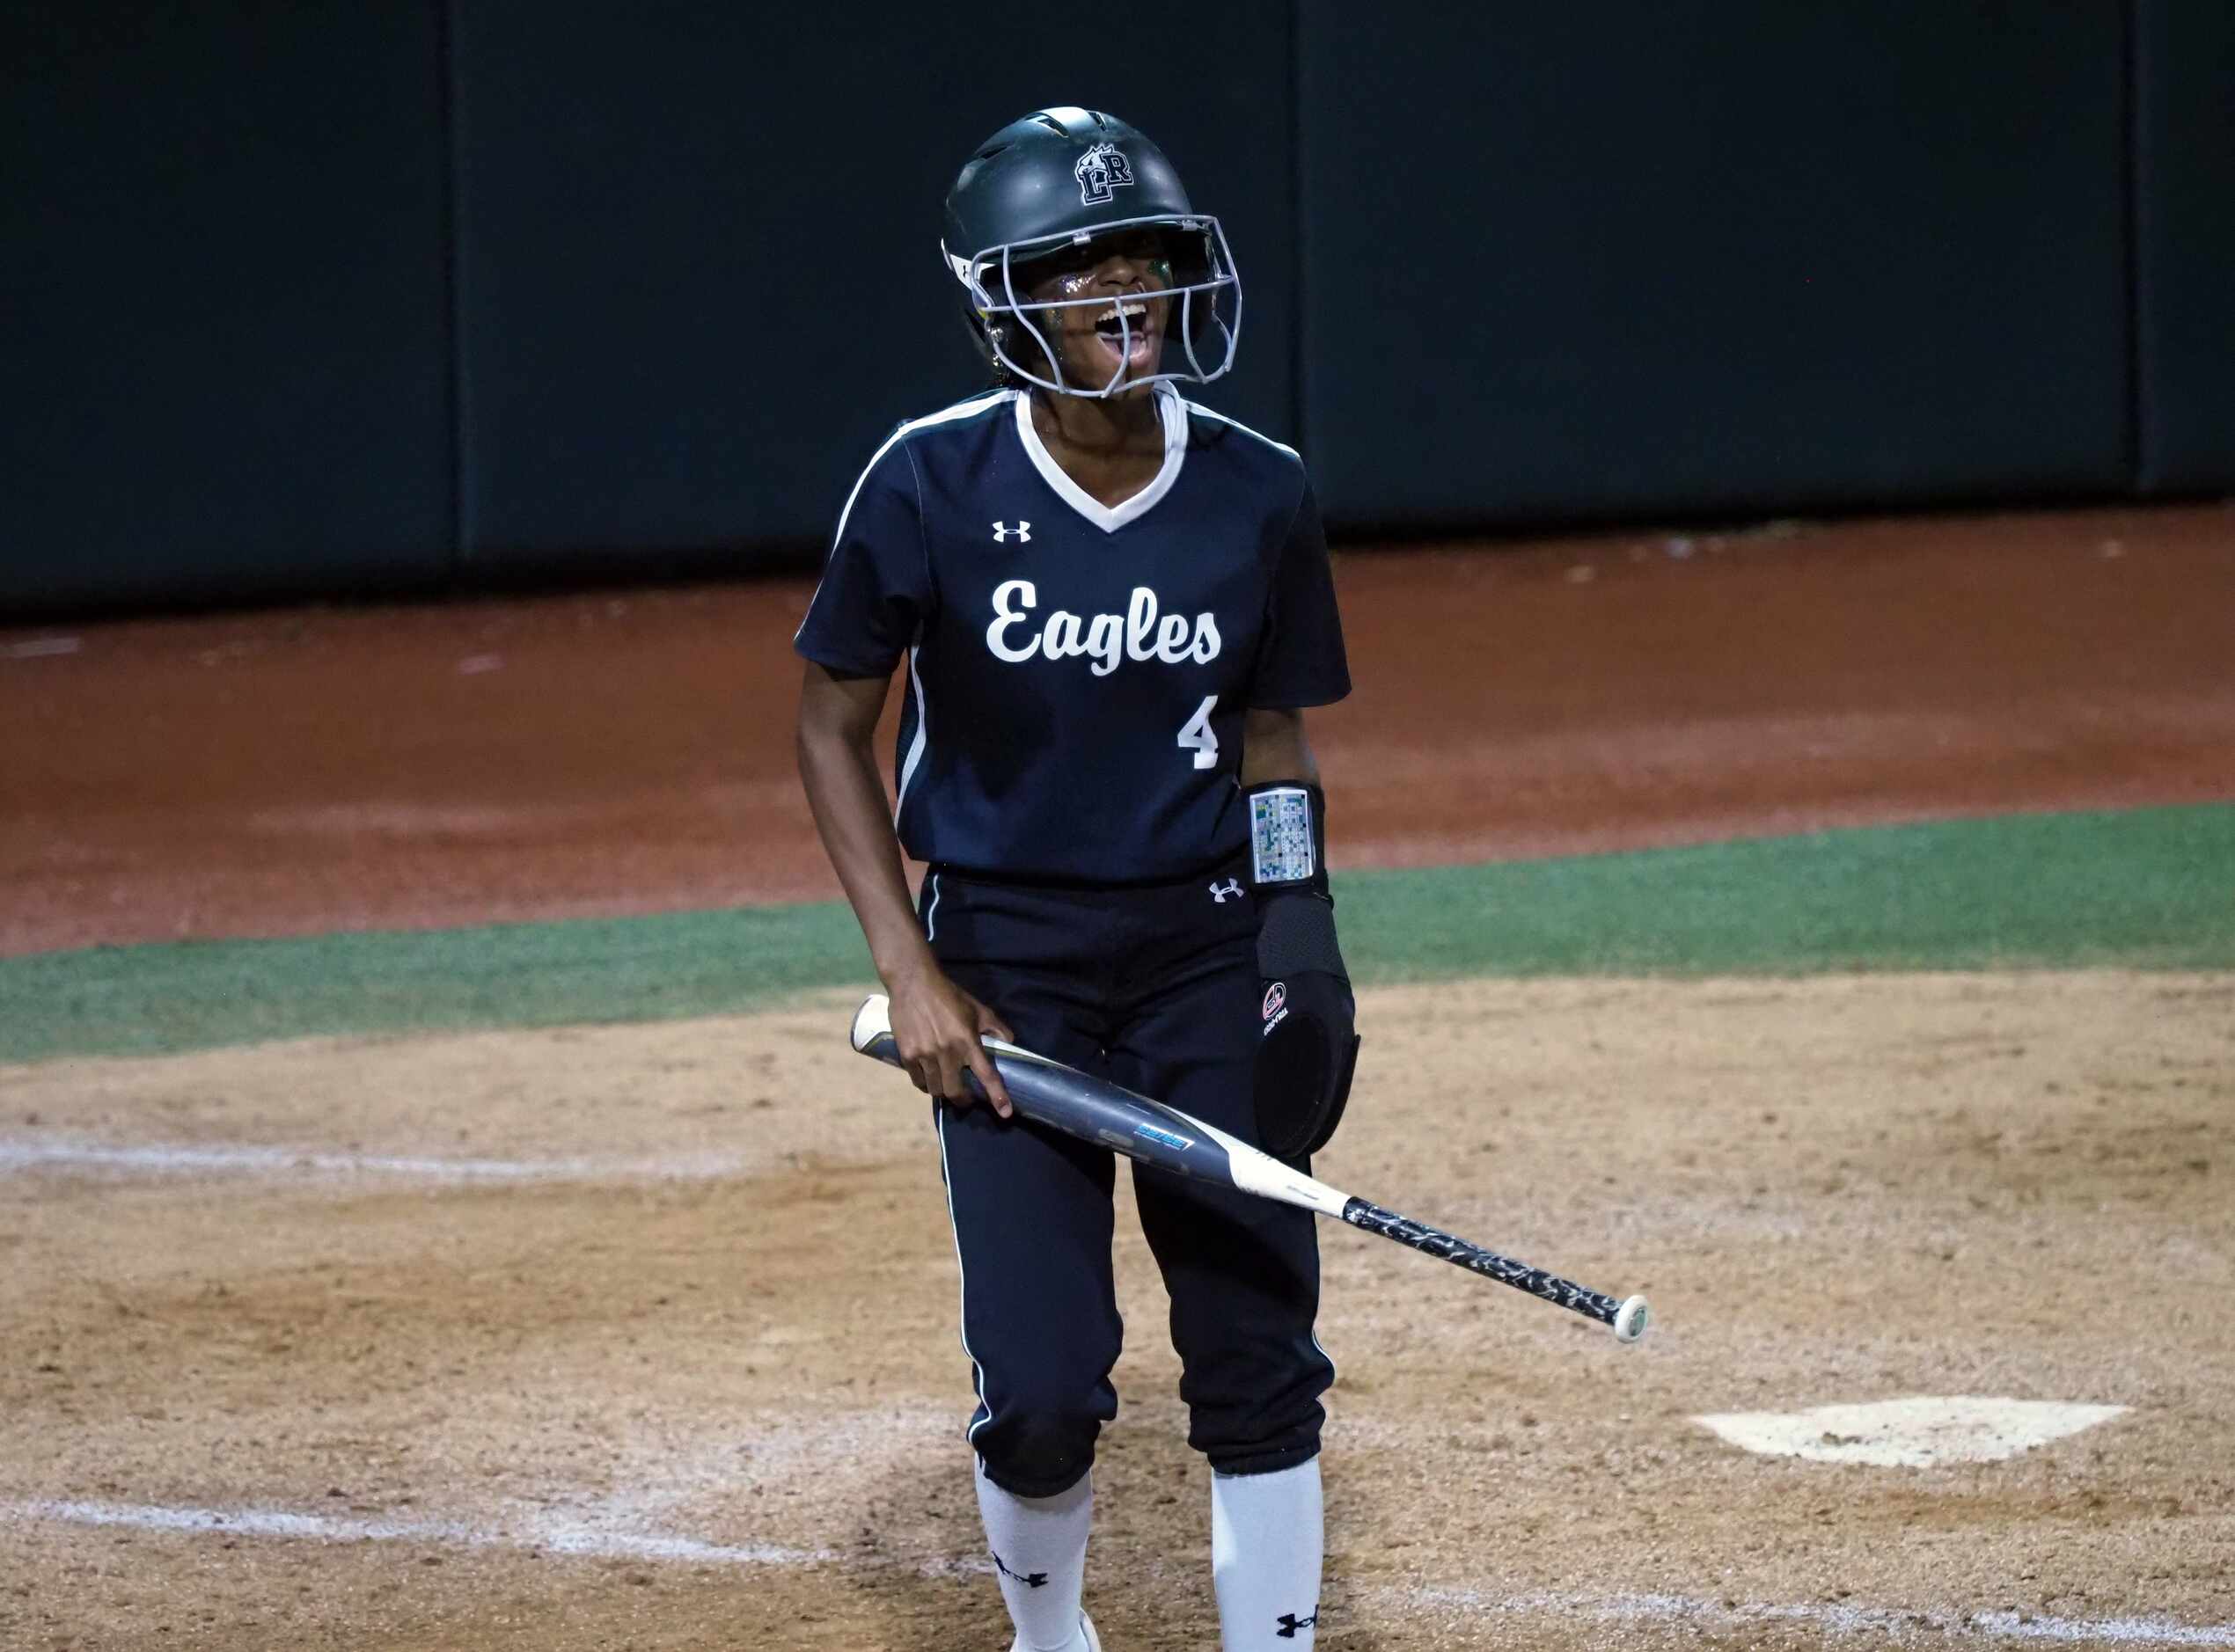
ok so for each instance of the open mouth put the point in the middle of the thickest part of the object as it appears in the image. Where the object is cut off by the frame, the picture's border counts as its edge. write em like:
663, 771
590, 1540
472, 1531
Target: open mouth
1126, 335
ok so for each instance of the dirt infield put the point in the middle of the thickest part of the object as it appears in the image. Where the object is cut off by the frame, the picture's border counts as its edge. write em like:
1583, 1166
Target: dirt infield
645, 1336
298, 770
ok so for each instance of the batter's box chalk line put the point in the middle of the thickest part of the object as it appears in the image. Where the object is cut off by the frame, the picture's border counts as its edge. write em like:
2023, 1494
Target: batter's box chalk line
537, 1532
548, 1536
1875, 1622
19, 1154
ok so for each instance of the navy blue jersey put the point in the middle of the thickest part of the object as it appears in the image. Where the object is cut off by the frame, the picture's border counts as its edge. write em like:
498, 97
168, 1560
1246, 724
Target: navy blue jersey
1078, 673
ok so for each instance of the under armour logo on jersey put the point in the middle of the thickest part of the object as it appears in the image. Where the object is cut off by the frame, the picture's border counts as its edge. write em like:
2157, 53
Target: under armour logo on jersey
1101, 170
1021, 533
1290, 1623
1219, 891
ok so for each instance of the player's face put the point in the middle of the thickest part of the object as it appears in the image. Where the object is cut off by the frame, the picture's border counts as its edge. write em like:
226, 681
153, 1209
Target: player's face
1126, 271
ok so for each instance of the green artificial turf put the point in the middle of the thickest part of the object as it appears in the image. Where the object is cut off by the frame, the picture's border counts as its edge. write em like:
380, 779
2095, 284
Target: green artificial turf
2152, 888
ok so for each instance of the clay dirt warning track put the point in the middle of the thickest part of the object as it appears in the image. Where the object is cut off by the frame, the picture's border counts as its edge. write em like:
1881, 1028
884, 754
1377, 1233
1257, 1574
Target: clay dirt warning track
643, 1336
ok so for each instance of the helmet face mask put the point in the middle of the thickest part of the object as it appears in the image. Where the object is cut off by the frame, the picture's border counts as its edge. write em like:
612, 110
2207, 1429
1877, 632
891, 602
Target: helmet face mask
1202, 293
1055, 195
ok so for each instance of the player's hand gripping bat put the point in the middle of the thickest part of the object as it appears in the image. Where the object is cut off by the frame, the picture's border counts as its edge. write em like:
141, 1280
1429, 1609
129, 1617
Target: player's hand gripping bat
1065, 1098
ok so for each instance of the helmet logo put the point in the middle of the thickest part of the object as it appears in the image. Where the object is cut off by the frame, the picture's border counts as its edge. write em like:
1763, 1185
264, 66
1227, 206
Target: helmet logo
1101, 168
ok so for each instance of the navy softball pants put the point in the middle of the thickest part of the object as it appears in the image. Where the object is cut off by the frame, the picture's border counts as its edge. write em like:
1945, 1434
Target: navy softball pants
1157, 990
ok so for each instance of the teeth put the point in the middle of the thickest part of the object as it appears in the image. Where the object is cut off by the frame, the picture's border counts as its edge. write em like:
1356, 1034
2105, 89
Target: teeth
1133, 308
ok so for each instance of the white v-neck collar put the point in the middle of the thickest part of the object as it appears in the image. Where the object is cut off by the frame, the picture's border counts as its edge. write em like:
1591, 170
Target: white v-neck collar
1109, 518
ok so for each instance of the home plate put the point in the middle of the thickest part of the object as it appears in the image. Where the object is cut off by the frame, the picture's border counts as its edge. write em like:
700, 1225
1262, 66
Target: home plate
1923, 1431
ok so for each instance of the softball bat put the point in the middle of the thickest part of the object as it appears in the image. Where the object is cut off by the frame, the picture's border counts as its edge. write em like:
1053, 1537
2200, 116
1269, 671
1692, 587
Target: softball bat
1094, 1110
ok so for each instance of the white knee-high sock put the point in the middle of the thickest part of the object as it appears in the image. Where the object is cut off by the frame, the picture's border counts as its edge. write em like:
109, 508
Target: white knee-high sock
1266, 1538
1039, 1547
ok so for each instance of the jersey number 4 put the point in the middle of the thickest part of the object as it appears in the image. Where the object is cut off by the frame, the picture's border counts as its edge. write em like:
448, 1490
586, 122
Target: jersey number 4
1196, 735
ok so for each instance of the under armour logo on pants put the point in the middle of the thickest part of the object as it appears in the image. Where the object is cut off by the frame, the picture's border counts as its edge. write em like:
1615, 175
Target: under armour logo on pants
1290, 1623
1219, 891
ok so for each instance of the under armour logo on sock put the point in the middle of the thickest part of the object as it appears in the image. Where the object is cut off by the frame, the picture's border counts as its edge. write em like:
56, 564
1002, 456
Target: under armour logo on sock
1030, 1579
1290, 1623
1219, 891
1021, 533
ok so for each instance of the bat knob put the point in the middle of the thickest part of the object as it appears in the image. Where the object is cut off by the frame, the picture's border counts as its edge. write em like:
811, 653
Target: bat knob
1630, 1320
872, 1021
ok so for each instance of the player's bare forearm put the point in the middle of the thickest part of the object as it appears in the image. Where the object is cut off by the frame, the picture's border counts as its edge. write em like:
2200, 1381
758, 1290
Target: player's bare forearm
838, 721
936, 1023
1273, 747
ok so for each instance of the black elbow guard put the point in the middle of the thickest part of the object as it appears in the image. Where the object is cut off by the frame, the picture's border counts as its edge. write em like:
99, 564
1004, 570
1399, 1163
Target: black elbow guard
1308, 1047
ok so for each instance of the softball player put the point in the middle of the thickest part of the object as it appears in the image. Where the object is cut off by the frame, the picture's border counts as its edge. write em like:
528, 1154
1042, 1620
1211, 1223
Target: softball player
1114, 605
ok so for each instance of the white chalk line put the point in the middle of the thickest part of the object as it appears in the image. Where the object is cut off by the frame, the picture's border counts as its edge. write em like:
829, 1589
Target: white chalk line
557, 1536
561, 1537
1833, 1618
19, 1154
40, 648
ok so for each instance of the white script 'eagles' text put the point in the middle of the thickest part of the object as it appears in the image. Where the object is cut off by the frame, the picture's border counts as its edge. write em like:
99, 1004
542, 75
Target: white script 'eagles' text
1136, 634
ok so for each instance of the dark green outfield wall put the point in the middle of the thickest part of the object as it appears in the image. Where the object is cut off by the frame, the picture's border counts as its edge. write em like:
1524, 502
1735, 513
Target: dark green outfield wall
2185, 243
332, 297
224, 323
1693, 255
